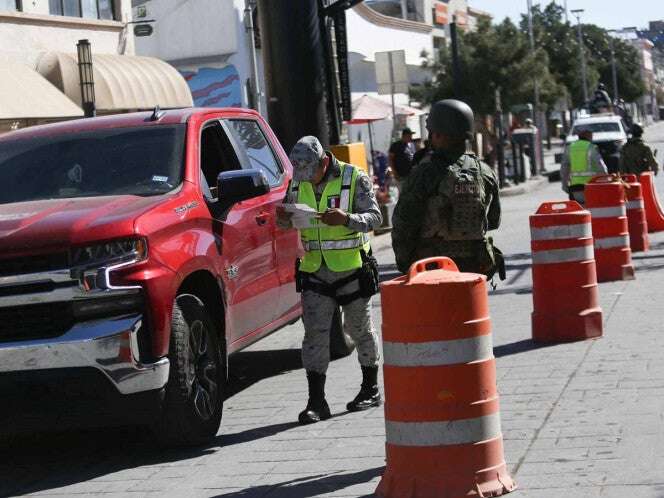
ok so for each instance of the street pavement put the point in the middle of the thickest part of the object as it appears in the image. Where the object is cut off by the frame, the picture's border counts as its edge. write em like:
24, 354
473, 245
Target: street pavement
584, 419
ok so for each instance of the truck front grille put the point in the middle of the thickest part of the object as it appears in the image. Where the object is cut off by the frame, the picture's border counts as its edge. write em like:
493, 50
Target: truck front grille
38, 321
33, 264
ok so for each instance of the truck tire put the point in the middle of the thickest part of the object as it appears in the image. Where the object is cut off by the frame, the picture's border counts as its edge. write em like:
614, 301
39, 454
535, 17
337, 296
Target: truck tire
194, 395
341, 344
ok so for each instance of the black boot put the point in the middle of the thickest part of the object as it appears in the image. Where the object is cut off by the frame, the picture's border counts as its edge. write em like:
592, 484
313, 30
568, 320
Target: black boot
369, 395
317, 408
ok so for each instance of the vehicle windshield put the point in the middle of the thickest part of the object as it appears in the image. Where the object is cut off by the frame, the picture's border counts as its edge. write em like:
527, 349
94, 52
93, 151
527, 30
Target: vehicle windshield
610, 127
119, 161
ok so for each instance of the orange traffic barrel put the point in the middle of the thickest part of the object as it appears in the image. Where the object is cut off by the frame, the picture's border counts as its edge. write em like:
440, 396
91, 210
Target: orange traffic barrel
564, 265
605, 198
636, 215
654, 211
442, 416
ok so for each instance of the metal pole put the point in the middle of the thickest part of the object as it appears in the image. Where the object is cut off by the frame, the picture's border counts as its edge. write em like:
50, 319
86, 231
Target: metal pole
536, 111
566, 13
614, 72
394, 110
582, 53
249, 20
456, 63
371, 147
404, 9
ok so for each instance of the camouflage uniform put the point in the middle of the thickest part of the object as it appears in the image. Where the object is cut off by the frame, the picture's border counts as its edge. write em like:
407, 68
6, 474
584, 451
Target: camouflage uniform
420, 225
636, 158
319, 310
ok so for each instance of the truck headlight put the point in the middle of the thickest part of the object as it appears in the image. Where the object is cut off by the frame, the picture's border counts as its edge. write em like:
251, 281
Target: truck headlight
92, 265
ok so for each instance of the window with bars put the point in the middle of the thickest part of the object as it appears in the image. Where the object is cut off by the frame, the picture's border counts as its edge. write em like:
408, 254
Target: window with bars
89, 9
10, 5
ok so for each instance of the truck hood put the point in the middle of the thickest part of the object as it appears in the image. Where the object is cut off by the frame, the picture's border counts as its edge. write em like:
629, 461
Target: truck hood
601, 137
59, 223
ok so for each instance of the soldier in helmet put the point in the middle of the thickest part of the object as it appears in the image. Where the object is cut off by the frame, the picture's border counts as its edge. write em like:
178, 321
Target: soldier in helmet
636, 157
450, 200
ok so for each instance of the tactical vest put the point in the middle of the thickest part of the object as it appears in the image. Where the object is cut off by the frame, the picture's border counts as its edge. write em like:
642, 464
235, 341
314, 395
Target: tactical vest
581, 168
457, 212
338, 246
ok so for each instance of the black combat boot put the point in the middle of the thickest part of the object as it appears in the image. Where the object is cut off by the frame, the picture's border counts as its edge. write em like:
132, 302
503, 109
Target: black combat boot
317, 408
369, 395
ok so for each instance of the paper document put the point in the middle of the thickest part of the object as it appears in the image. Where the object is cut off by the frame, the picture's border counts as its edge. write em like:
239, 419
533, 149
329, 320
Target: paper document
303, 216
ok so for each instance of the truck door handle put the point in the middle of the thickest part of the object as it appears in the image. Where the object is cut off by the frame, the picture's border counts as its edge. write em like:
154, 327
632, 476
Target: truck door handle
262, 218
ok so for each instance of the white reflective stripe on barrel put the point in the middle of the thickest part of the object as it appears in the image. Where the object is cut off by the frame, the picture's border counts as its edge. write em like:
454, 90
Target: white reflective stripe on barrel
582, 253
561, 232
425, 354
635, 204
608, 212
612, 242
448, 432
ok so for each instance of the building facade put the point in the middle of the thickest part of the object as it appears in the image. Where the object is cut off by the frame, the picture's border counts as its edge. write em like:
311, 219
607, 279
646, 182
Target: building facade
210, 43
39, 79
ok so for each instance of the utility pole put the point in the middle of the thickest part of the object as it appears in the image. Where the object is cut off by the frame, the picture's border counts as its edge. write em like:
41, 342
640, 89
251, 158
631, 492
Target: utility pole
456, 63
582, 52
251, 34
536, 110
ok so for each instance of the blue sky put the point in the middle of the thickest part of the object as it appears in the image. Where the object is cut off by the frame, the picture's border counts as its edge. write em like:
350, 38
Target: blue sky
606, 13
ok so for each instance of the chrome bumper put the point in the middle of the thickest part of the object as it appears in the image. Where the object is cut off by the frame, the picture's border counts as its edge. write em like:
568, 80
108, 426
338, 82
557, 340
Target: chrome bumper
109, 345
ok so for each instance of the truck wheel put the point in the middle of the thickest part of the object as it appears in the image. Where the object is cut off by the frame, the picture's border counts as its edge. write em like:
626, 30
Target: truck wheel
341, 344
194, 396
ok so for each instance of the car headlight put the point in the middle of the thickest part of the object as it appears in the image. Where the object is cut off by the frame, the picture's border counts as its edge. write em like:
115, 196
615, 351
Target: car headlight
92, 265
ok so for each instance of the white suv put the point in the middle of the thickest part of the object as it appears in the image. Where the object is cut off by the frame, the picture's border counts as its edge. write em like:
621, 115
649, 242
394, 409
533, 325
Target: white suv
609, 134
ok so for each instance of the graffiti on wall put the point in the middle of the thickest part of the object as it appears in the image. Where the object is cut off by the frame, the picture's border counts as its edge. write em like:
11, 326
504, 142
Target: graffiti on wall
214, 87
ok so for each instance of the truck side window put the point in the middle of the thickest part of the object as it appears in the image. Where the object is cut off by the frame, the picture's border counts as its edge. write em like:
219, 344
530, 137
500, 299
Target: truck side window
256, 149
217, 156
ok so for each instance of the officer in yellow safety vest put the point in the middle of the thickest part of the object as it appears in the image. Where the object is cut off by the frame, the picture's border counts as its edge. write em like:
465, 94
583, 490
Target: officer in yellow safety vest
337, 268
581, 162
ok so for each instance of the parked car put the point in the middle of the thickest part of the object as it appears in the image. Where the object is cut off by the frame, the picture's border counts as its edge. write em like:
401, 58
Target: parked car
143, 249
609, 134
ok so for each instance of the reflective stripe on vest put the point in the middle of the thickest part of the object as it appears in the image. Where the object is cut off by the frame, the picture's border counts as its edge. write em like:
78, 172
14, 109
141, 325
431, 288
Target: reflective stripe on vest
581, 169
338, 246
448, 432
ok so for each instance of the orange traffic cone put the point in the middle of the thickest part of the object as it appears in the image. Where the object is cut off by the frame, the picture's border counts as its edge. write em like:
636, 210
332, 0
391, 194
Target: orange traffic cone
441, 404
654, 211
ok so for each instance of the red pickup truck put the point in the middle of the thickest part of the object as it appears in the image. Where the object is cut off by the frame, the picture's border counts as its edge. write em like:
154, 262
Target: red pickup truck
144, 248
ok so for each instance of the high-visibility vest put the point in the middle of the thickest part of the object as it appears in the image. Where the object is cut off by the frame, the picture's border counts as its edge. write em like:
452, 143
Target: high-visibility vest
581, 167
339, 246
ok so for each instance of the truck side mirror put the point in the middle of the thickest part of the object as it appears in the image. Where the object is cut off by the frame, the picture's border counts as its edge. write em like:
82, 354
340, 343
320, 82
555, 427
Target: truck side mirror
239, 185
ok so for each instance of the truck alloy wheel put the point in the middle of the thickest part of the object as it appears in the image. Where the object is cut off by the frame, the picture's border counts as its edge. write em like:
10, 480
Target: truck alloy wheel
193, 401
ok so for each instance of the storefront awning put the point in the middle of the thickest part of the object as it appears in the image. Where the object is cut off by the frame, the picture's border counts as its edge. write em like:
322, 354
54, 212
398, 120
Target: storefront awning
25, 94
122, 82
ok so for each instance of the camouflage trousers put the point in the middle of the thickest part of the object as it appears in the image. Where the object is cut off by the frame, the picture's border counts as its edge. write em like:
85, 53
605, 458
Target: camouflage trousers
317, 314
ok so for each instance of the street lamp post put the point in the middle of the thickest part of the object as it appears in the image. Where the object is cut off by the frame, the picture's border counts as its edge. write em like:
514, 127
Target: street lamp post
86, 78
582, 52
614, 72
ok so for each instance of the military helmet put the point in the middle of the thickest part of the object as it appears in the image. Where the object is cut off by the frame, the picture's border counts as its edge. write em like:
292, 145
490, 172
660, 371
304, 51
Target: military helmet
451, 117
637, 130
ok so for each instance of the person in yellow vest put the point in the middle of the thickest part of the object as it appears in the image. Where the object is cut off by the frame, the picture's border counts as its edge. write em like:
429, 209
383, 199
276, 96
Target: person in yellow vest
337, 268
581, 162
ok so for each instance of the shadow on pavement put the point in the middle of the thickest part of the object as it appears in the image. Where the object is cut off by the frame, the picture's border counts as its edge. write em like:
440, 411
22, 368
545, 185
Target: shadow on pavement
248, 367
306, 487
45, 458
517, 347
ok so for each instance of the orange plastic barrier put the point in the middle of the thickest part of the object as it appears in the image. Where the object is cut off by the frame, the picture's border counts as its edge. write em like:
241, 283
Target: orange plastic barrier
442, 417
605, 198
636, 215
564, 265
654, 211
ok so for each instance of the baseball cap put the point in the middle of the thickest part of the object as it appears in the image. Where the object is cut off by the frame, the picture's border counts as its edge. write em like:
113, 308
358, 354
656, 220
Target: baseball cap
305, 158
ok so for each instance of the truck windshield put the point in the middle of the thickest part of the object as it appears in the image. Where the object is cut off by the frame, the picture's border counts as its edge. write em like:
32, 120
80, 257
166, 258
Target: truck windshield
120, 161
597, 128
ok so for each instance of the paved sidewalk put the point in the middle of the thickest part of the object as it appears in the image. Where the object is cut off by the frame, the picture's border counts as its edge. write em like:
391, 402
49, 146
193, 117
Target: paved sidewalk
579, 420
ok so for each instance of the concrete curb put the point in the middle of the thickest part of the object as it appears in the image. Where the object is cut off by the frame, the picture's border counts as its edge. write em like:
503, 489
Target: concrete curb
524, 188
